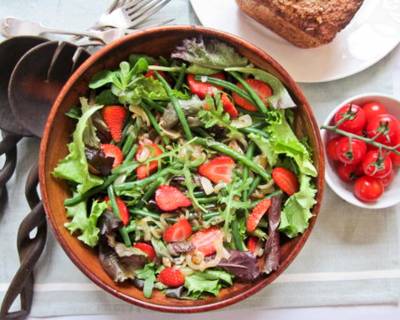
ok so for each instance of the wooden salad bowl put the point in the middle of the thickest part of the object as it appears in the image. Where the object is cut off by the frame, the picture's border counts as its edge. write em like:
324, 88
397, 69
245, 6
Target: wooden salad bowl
156, 42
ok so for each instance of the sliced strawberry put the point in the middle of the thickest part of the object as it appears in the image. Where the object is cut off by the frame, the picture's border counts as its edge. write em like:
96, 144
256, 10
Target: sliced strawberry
179, 231
256, 214
205, 240
261, 88
145, 151
286, 180
114, 117
169, 198
203, 88
252, 244
218, 169
123, 209
229, 106
147, 249
112, 151
172, 277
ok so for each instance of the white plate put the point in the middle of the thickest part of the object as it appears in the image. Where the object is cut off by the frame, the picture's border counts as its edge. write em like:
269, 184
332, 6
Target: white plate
345, 190
373, 33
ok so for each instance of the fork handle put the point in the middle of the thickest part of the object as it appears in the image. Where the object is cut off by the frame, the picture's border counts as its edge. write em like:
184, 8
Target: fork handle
88, 34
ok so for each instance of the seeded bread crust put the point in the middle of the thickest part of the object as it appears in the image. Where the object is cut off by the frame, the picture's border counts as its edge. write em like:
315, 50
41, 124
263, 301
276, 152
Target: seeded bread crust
305, 23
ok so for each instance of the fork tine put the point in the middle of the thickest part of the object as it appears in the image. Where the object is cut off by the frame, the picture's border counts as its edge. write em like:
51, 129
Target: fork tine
136, 20
136, 4
142, 10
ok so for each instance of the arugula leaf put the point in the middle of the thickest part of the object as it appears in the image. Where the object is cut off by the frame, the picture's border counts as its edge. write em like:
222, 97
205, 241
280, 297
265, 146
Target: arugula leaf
283, 141
86, 225
211, 54
297, 209
281, 98
209, 281
74, 167
148, 274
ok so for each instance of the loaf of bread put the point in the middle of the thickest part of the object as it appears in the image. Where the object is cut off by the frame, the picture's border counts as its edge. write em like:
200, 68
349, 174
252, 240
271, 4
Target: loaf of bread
305, 23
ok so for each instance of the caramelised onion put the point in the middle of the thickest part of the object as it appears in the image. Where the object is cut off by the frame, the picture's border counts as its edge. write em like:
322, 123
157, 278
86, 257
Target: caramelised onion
235, 146
196, 261
174, 135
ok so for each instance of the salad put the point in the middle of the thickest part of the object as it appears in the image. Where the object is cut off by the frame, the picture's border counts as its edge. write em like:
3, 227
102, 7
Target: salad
185, 172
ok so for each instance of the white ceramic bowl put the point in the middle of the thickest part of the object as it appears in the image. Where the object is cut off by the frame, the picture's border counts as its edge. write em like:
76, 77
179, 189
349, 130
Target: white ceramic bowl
344, 190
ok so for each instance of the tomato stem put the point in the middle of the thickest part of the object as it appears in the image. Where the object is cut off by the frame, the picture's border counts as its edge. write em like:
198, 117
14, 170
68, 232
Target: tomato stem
370, 141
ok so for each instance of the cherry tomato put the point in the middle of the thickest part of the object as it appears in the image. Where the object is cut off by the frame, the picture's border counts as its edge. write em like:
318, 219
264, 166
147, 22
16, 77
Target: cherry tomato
388, 180
376, 124
350, 151
375, 165
348, 172
395, 158
331, 148
368, 189
372, 109
357, 119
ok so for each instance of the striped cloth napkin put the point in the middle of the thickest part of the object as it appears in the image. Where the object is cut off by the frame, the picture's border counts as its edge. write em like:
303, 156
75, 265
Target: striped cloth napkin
352, 256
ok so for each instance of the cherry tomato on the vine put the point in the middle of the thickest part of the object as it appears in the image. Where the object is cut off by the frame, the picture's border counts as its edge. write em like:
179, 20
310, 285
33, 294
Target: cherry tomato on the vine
372, 109
376, 164
385, 127
368, 189
350, 151
388, 180
356, 118
331, 148
348, 172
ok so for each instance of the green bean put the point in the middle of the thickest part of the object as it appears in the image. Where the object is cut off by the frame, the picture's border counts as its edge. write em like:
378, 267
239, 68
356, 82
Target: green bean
153, 105
114, 206
124, 134
143, 182
225, 84
254, 185
201, 132
151, 188
126, 168
181, 77
254, 96
128, 144
237, 238
249, 155
199, 193
272, 194
259, 234
210, 215
255, 131
177, 107
130, 154
80, 197
144, 213
207, 200
218, 146
154, 123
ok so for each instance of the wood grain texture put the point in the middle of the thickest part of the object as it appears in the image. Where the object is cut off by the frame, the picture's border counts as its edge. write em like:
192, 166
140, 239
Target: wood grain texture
158, 41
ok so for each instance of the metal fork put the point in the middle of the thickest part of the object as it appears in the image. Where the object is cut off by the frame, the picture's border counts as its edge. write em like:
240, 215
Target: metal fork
131, 14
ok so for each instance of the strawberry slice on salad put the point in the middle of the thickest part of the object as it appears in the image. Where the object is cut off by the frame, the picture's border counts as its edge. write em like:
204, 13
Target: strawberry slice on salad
205, 240
112, 151
172, 277
114, 117
147, 249
218, 169
286, 180
229, 107
122, 208
169, 198
147, 150
202, 89
256, 214
179, 231
261, 88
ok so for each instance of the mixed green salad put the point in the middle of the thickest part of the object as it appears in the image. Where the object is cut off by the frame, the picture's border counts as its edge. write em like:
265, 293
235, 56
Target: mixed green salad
185, 171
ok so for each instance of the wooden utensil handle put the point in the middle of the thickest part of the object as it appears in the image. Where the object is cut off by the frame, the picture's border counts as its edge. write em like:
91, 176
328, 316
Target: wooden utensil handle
7, 147
30, 248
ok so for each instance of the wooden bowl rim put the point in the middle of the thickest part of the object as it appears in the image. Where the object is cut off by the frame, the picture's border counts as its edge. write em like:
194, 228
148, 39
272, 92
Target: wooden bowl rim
229, 38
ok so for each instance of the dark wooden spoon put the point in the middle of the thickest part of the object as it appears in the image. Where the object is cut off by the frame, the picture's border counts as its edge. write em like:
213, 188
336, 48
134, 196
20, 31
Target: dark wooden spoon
34, 84
11, 51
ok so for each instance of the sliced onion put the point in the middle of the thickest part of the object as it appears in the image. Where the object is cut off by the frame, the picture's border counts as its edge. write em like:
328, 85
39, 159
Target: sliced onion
221, 253
235, 146
174, 135
139, 112
261, 160
219, 186
206, 185
243, 121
